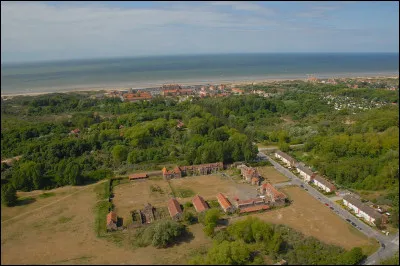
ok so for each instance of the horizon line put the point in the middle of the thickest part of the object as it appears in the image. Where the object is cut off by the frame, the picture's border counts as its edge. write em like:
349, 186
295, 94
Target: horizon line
175, 55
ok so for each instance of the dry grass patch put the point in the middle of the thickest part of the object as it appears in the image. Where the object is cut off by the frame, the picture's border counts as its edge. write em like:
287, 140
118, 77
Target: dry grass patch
271, 174
312, 218
135, 194
63, 233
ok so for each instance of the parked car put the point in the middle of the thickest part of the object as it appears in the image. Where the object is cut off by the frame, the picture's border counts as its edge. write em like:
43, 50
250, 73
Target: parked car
348, 220
327, 204
301, 185
331, 208
306, 189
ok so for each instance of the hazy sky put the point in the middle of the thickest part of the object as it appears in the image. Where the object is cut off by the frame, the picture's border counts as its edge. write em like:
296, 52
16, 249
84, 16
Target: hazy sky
32, 31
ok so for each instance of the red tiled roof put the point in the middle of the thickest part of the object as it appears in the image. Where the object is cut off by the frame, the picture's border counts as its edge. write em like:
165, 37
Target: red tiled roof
254, 208
173, 207
255, 179
138, 176
111, 216
223, 201
199, 203
275, 193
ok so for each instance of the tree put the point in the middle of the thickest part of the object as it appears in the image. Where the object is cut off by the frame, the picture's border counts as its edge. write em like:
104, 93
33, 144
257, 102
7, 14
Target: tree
189, 217
165, 232
8, 195
119, 153
352, 257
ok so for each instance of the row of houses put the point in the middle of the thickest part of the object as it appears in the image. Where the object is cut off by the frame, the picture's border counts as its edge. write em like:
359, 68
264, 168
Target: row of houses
362, 210
305, 172
201, 169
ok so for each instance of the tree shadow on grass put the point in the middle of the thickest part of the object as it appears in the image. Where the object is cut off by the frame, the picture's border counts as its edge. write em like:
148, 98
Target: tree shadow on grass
25, 201
186, 237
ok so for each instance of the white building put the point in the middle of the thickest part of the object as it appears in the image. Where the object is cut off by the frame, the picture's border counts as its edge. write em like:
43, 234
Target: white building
305, 172
288, 160
323, 184
361, 210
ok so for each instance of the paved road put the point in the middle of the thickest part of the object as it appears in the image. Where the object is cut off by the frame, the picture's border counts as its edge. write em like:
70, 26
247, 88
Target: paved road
391, 243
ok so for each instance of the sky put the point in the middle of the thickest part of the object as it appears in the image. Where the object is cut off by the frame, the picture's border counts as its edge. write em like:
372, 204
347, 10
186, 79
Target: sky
41, 31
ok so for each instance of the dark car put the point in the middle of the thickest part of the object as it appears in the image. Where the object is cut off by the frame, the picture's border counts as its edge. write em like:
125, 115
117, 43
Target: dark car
348, 220
306, 189
301, 185
353, 224
383, 245
331, 208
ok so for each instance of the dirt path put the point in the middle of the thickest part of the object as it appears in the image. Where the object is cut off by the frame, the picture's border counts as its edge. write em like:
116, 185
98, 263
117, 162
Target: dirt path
86, 187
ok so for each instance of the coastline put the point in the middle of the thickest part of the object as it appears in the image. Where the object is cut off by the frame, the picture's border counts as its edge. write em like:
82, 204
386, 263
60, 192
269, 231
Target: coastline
227, 81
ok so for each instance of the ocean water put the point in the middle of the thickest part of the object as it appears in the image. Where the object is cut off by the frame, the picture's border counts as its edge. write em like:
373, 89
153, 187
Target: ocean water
149, 71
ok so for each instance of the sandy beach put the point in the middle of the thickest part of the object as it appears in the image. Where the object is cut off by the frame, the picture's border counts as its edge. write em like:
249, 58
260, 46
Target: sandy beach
155, 84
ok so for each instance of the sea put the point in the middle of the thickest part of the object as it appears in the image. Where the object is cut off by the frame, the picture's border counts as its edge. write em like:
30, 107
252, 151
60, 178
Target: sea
153, 71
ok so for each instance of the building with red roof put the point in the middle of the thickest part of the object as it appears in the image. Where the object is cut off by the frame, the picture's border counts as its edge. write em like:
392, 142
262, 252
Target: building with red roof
275, 196
174, 208
112, 221
199, 203
138, 176
224, 203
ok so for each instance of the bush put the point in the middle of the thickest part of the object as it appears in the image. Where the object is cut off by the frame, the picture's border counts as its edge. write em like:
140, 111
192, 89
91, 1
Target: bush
159, 234
8, 195
189, 217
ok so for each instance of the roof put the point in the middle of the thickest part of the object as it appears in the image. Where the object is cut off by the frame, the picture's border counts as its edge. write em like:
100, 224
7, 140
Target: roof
173, 207
199, 203
250, 201
324, 182
223, 201
137, 176
254, 208
286, 156
275, 193
255, 179
302, 167
111, 217
368, 210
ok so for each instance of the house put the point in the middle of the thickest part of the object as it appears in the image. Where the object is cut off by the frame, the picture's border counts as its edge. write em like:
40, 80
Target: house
250, 202
176, 173
180, 124
287, 159
111, 221
147, 214
254, 208
323, 184
201, 169
248, 172
305, 172
274, 196
134, 97
362, 210
255, 181
237, 91
224, 203
199, 204
174, 208
138, 176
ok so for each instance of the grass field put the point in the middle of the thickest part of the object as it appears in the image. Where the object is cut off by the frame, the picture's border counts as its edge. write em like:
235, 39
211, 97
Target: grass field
312, 218
63, 233
134, 195
271, 175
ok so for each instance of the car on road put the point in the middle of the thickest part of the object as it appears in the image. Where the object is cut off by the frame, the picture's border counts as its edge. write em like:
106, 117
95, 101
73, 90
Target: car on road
302, 186
353, 224
327, 204
348, 220
331, 208
382, 245
306, 189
